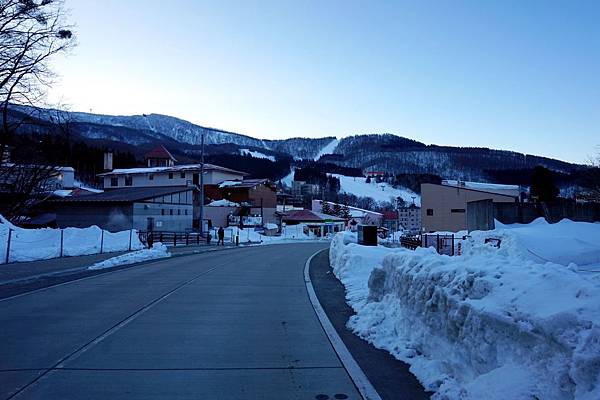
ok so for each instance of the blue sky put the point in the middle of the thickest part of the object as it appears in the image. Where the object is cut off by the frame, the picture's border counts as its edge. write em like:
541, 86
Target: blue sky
516, 75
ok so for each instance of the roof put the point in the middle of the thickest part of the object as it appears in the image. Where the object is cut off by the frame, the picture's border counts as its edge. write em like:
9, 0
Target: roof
506, 192
174, 168
309, 216
479, 185
160, 152
126, 195
390, 215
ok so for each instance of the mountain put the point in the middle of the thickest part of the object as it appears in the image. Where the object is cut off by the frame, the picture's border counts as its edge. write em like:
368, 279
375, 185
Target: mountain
384, 152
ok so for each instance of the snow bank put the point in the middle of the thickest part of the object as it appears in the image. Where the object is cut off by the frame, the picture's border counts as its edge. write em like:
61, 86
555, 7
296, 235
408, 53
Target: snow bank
290, 233
489, 324
45, 243
159, 250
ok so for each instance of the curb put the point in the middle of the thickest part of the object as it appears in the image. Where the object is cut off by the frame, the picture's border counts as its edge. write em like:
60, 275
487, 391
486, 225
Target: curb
360, 380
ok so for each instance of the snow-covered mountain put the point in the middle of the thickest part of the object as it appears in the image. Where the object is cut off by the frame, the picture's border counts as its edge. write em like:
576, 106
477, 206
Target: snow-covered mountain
385, 152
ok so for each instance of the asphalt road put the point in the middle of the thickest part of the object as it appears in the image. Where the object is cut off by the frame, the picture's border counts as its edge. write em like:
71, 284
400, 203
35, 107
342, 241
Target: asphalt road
227, 325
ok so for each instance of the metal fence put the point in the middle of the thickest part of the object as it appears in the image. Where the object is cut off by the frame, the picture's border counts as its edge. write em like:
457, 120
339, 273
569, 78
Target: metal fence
172, 238
442, 243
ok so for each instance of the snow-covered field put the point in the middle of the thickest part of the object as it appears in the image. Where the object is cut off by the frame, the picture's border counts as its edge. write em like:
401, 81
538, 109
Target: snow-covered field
377, 191
493, 323
157, 251
42, 244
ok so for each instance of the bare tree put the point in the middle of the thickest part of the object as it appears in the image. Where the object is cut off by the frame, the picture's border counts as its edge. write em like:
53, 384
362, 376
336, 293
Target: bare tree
591, 179
31, 33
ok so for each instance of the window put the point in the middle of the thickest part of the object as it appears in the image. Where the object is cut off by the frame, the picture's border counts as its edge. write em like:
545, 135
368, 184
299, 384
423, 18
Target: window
114, 181
182, 175
457, 210
162, 211
171, 211
128, 180
150, 177
430, 211
179, 212
170, 175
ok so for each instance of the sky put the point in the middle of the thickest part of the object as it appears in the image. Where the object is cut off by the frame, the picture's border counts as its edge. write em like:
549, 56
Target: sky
515, 75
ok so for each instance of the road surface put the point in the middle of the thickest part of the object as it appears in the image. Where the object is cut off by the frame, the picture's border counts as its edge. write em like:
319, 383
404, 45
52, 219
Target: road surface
227, 325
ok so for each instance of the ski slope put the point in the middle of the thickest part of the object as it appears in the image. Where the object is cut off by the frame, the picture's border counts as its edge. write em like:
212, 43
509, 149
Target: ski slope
256, 154
379, 192
328, 149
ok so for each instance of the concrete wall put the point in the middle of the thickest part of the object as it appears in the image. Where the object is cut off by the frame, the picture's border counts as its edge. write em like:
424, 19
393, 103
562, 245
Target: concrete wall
167, 217
218, 215
480, 215
107, 216
449, 206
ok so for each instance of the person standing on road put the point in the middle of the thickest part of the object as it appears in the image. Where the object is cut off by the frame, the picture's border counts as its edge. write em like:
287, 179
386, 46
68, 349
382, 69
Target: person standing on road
221, 234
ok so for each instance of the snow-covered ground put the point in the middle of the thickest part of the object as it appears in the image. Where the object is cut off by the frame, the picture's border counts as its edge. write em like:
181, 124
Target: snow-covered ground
157, 251
42, 244
377, 191
329, 148
493, 323
256, 154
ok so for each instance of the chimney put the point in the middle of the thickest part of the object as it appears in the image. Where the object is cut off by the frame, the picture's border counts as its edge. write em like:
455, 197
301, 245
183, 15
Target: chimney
108, 161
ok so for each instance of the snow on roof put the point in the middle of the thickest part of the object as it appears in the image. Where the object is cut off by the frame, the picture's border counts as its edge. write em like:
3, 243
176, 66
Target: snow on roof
175, 168
246, 183
479, 185
223, 203
225, 184
308, 215
130, 194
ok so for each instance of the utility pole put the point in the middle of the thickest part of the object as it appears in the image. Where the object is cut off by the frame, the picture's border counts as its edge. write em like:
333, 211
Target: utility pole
202, 184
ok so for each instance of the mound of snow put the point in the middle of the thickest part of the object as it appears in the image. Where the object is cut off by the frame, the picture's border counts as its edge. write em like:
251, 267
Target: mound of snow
379, 192
45, 243
159, 250
562, 243
487, 324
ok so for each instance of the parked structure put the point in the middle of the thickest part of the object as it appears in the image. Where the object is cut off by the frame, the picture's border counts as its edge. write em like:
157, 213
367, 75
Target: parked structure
143, 208
444, 207
317, 223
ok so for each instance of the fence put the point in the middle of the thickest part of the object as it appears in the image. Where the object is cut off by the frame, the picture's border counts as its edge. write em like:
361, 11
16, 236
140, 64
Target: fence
173, 238
42, 244
443, 243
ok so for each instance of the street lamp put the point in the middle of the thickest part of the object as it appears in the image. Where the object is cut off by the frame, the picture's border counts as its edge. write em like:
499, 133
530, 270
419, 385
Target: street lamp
202, 183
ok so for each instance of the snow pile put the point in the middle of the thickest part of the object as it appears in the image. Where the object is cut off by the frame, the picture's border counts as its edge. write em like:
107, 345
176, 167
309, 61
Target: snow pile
225, 184
222, 203
488, 324
271, 225
562, 243
256, 154
379, 192
159, 250
45, 243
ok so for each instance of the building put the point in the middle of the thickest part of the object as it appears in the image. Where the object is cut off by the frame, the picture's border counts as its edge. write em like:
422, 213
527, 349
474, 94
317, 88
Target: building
176, 175
254, 201
318, 223
159, 157
391, 222
445, 207
410, 219
168, 209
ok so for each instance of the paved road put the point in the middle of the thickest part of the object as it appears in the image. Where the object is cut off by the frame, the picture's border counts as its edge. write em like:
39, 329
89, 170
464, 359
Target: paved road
228, 325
